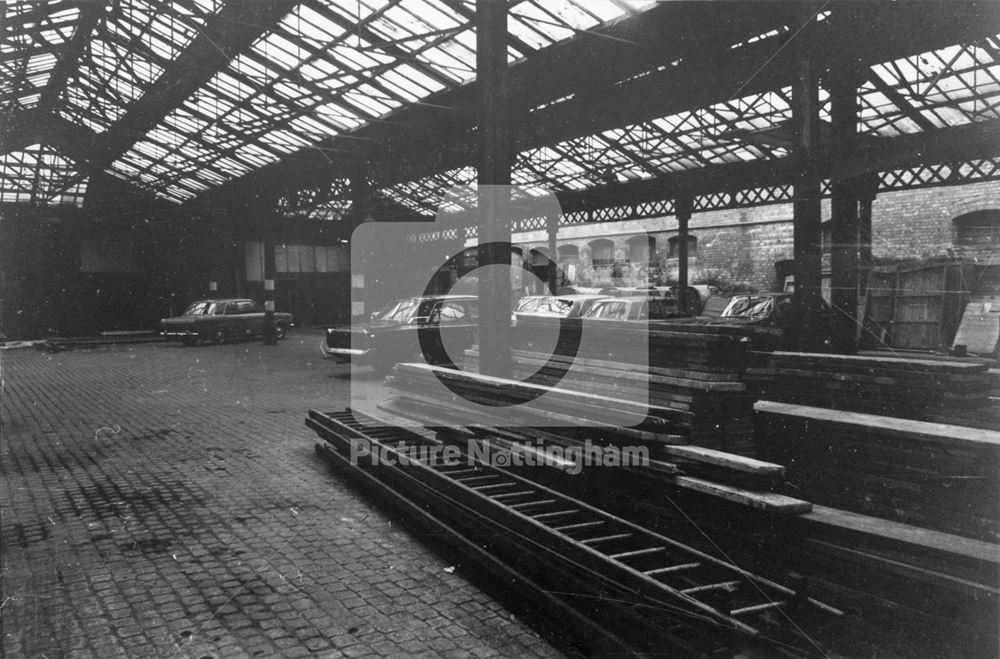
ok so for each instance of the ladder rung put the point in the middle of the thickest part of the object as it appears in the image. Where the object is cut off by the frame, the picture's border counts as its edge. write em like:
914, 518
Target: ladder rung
469, 479
483, 488
529, 504
606, 538
671, 568
558, 513
757, 607
638, 552
579, 525
459, 472
511, 495
722, 585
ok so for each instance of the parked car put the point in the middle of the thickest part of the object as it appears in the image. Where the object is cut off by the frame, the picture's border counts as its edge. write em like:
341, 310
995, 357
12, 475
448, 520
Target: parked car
219, 320
771, 309
448, 324
636, 307
768, 314
554, 306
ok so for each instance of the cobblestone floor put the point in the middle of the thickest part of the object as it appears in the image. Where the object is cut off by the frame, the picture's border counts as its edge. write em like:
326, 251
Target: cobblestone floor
166, 501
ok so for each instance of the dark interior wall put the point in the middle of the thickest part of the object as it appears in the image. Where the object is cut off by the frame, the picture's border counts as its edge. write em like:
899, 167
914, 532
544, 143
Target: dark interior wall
70, 272
78, 272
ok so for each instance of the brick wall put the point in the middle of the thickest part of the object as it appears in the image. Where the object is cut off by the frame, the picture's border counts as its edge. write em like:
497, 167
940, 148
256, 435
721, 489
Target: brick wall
741, 246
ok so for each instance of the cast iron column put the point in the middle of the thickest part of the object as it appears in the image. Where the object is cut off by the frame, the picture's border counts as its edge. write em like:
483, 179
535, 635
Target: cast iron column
552, 226
494, 170
269, 222
808, 330
844, 211
867, 193
682, 209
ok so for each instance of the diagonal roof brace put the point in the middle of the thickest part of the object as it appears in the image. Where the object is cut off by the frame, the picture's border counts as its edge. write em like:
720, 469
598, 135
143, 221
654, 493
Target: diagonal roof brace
234, 29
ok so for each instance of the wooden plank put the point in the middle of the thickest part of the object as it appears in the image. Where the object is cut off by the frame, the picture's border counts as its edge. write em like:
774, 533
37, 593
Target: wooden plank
723, 459
767, 501
873, 361
902, 535
923, 431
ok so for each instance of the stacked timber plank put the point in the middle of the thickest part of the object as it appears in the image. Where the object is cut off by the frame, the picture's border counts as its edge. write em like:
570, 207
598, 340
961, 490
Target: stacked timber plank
929, 390
931, 475
720, 475
690, 377
702, 349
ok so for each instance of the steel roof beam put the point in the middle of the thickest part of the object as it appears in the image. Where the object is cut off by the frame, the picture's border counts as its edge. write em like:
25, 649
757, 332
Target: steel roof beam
224, 36
423, 141
69, 55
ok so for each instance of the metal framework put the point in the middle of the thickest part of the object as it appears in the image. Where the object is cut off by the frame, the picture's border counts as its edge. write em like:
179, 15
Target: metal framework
616, 105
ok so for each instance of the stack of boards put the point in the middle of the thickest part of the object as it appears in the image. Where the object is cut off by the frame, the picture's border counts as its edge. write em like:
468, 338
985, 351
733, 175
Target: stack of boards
910, 440
572, 420
690, 375
930, 475
927, 390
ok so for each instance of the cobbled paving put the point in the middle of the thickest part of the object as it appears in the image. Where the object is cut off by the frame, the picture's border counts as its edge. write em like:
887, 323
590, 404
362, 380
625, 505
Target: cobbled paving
162, 501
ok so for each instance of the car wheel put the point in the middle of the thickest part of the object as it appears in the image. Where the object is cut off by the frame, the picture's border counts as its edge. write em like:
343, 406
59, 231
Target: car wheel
189, 340
279, 330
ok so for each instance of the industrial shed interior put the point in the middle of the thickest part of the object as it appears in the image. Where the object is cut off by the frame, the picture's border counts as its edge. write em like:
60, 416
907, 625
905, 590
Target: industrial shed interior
688, 342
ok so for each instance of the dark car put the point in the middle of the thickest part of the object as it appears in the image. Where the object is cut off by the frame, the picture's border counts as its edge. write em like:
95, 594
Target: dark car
219, 320
447, 324
770, 309
636, 307
767, 315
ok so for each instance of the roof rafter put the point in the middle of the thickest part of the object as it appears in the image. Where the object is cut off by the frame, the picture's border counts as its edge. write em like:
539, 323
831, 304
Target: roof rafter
224, 36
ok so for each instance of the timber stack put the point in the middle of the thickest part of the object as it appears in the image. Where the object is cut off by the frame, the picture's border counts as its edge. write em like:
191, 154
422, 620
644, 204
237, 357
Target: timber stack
692, 378
931, 475
926, 390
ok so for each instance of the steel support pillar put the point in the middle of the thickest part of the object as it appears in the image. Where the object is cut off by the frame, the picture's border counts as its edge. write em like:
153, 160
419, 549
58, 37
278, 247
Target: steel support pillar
808, 327
683, 206
269, 226
868, 190
843, 82
552, 227
495, 160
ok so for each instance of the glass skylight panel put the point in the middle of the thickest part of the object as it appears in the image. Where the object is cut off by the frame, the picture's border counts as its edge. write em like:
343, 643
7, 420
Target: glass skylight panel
452, 60
317, 130
251, 68
533, 15
310, 25
276, 48
402, 86
526, 32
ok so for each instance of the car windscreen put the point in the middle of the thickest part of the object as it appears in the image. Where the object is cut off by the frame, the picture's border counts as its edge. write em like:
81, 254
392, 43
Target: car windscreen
549, 306
608, 311
400, 311
749, 307
196, 309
